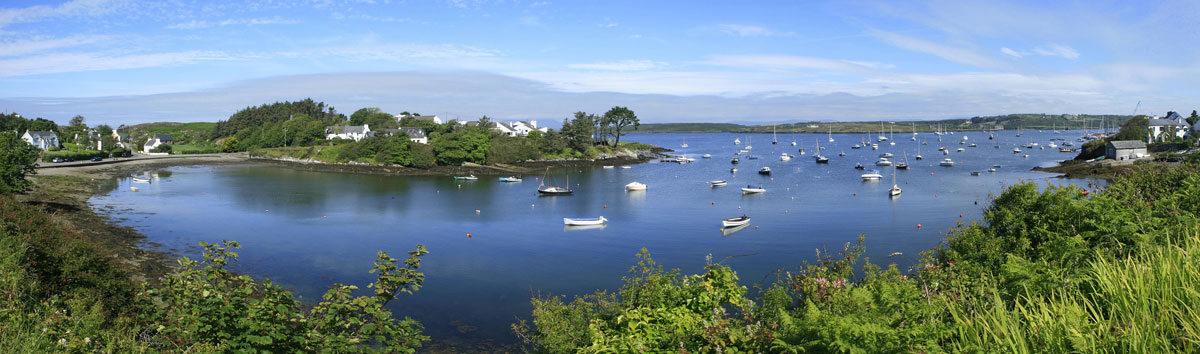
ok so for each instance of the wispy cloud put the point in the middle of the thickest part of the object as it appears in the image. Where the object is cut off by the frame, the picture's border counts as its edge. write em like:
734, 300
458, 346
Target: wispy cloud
1050, 50
42, 12
624, 65
750, 31
34, 45
607, 23
954, 54
343, 16
79, 62
199, 24
761, 62
530, 20
539, 3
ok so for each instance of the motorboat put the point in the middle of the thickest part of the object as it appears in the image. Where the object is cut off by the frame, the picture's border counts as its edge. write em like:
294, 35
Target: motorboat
785, 157
140, 179
735, 222
607, 167
1016, 150
466, 178
822, 159
960, 150
858, 166
991, 170
717, 183
584, 221
872, 175
510, 179
734, 160
751, 189
764, 171
843, 153
946, 162
707, 156
856, 146
886, 154
635, 186
733, 170
883, 162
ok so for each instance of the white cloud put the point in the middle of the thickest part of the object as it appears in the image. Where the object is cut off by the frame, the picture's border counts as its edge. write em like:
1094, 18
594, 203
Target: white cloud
760, 62
539, 3
193, 24
80, 62
1012, 53
750, 31
624, 65
607, 23
530, 20
34, 45
954, 54
1050, 50
68, 9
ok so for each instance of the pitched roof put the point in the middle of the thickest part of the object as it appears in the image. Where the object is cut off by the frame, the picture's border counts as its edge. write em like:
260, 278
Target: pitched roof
163, 137
1127, 144
413, 133
1172, 115
346, 129
43, 135
1165, 123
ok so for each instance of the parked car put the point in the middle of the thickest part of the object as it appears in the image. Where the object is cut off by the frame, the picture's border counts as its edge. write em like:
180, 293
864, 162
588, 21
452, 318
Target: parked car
58, 159
97, 158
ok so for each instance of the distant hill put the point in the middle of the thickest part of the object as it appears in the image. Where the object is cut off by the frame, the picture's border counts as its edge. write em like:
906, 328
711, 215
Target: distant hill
1009, 122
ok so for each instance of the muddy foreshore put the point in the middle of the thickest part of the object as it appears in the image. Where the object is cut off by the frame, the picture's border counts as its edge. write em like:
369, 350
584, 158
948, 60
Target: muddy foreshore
1097, 170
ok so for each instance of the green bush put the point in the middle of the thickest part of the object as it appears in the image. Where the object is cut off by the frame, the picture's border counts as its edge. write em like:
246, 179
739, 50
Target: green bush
77, 155
162, 148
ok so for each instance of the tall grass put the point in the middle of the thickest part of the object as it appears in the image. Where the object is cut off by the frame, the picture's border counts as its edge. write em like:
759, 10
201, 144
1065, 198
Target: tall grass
1148, 302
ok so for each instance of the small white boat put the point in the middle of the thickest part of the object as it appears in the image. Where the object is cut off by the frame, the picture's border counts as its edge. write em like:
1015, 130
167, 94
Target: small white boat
707, 156
749, 189
872, 175
1052, 145
635, 186
991, 170
785, 157
975, 173
886, 154
140, 179
466, 178
608, 166
626, 167
737, 141
584, 221
734, 222
510, 179
1016, 150
717, 183
764, 171
883, 161
960, 150
133, 189
946, 162
733, 170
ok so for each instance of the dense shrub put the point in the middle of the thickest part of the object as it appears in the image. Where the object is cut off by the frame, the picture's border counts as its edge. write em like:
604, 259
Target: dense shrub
76, 155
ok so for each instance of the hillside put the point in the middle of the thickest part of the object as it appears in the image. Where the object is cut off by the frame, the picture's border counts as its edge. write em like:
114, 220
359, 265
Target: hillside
1009, 121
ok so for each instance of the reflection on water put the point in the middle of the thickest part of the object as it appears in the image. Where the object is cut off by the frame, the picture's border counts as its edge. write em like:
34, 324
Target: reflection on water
307, 230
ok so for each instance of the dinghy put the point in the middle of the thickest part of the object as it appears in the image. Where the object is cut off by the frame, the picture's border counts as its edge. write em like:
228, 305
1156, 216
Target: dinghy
735, 222
584, 221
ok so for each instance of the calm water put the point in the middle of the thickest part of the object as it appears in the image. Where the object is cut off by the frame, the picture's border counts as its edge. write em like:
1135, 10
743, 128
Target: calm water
307, 230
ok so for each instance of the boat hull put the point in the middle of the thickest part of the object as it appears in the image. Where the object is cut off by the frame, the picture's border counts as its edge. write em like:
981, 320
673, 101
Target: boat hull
585, 221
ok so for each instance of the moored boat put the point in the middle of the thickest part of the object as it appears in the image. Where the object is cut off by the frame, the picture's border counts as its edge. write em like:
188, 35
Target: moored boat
764, 171
749, 189
872, 175
584, 221
510, 179
717, 183
466, 178
635, 186
735, 222
946, 162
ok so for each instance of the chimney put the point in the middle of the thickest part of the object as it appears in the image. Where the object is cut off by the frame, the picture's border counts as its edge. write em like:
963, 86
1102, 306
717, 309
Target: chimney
533, 124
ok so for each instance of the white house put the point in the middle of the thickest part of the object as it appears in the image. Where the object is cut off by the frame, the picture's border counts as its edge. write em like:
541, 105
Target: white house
523, 128
348, 132
1163, 129
42, 140
503, 129
155, 141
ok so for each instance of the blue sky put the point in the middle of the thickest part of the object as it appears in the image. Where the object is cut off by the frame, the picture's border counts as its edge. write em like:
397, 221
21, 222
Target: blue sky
122, 62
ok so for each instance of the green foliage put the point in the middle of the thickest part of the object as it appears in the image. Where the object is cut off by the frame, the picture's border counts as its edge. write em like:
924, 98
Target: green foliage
469, 145
1192, 119
77, 155
422, 156
230, 144
580, 132
206, 304
251, 118
373, 117
18, 159
618, 118
14, 122
162, 148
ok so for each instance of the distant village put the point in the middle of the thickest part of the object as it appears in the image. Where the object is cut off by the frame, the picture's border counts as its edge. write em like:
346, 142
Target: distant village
417, 135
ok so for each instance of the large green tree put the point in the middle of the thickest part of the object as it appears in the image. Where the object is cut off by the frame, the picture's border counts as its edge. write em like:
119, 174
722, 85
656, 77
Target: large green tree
18, 159
618, 118
469, 145
1193, 118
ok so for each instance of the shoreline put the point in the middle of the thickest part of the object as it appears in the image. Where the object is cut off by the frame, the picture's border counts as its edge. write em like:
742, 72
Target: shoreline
1107, 171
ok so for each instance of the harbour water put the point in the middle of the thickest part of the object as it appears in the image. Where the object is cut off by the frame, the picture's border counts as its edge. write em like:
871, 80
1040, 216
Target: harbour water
493, 245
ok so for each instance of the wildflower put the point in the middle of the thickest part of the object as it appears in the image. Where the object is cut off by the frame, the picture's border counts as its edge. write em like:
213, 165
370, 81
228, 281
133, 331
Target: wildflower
87, 340
62, 342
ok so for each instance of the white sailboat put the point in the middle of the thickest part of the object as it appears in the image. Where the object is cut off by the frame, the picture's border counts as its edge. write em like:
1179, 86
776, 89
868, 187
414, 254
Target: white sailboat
737, 141
881, 137
919, 153
685, 145
895, 191
774, 138
831, 134
914, 128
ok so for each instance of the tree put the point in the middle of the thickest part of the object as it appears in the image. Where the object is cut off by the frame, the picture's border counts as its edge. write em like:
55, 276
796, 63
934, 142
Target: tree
17, 160
1193, 118
230, 144
619, 118
469, 145
162, 148
580, 132
77, 121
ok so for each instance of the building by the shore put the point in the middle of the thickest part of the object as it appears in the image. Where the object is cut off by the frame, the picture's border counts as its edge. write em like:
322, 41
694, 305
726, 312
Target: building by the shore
1125, 150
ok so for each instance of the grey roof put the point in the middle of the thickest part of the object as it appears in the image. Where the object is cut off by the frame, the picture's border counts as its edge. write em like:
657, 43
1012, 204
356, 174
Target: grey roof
1127, 144
345, 129
163, 137
413, 133
1164, 123
1172, 115
43, 135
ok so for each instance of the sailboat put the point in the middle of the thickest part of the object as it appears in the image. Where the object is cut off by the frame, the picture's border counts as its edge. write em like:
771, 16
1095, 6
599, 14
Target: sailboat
737, 141
831, 134
793, 140
914, 127
881, 138
892, 132
919, 153
685, 145
817, 154
895, 191
749, 140
774, 138
543, 189
902, 165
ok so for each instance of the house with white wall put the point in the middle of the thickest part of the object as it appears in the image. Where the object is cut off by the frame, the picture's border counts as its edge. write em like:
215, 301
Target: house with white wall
348, 132
155, 141
42, 140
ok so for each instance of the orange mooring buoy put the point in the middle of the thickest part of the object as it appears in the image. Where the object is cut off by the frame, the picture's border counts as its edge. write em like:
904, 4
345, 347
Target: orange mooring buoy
918, 226
960, 215
468, 235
